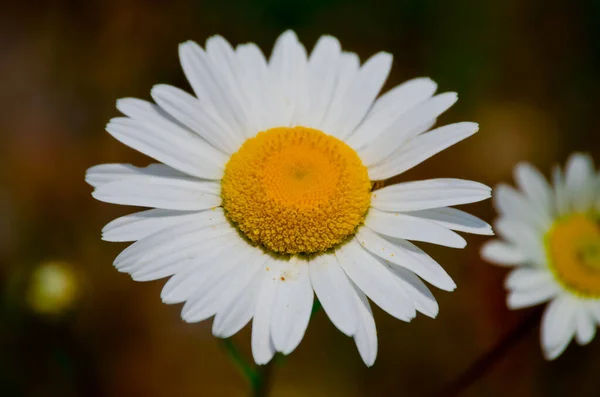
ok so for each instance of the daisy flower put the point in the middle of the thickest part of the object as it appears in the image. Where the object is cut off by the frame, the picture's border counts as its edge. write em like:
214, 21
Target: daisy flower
264, 194
552, 236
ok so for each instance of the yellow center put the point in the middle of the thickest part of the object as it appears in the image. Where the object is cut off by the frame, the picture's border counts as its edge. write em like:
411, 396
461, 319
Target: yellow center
573, 249
295, 190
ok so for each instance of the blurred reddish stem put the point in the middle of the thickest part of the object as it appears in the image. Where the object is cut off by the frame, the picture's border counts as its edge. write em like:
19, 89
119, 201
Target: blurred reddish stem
484, 364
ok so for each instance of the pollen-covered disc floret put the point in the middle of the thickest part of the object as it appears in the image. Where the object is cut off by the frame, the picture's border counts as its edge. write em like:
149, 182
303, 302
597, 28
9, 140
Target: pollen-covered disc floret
573, 250
295, 190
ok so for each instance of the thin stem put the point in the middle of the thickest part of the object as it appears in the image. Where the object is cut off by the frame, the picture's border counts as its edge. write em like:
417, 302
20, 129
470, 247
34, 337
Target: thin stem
484, 364
247, 369
262, 381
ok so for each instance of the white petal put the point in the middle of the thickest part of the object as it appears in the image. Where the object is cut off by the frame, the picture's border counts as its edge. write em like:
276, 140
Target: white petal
455, 220
236, 313
208, 79
520, 299
389, 107
199, 267
501, 253
412, 228
334, 291
405, 128
292, 306
558, 326
416, 290
420, 148
348, 69
535, 186
561, 197
366, 333
323, 67
228, 279
586, 326
172, 240
151, 131
106, 173
136, 226
522, 235
425, 194
407, 255
200, 117
580, 182
513, 205
360, 95
263, 349
255, 84
287, 75
375, 280
175, 262
528, 278
161, 192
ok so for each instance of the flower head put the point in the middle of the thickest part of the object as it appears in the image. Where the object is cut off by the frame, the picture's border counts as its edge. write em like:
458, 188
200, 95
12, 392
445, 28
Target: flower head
551, 235
264, 192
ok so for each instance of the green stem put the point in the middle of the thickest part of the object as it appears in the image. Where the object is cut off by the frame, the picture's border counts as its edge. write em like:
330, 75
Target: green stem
249, 372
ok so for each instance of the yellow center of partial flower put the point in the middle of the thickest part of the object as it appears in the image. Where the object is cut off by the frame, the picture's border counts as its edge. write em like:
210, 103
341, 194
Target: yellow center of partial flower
573, 249
296, 190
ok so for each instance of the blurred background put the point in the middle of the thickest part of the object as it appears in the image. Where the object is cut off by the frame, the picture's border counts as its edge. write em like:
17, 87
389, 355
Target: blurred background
71, 325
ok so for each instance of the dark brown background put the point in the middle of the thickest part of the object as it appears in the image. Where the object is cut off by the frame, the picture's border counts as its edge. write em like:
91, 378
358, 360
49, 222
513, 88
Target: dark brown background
527, 71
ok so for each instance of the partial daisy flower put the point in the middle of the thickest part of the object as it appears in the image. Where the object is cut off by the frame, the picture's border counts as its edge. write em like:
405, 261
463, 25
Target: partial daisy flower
265, 193
552, 236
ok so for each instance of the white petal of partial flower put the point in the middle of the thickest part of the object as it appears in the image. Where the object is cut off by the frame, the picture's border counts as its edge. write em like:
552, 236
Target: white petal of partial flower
228, 279
323, 69
141, 224
522, 235
420, 148
360, 95
455, 220
292, 306
519, 299
412, 228
580, 182
389, 107
239, 309
209, 82
528, 278
347, 73
402, 253
513, 205
287, 75
366, 333
197, 116
593, 306
535, 187
501, 253
561, 197
558, 326
416, 290
106, 173
375, 280
161, 192
586, 326
263, 349
188, 154
405, 128
334, 292
425, 194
